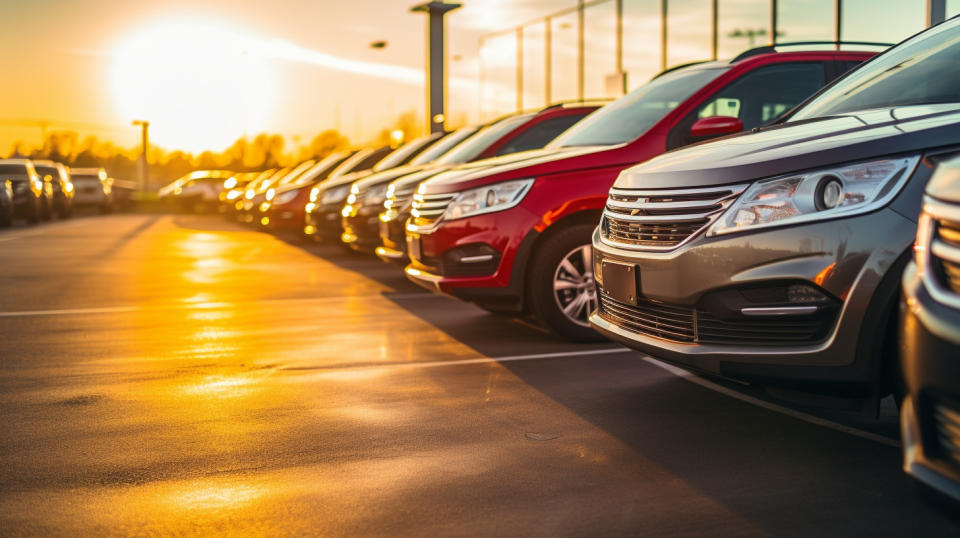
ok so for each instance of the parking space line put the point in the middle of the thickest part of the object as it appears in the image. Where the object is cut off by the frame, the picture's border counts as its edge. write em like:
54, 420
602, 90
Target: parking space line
812, 419
462, 362
215, 305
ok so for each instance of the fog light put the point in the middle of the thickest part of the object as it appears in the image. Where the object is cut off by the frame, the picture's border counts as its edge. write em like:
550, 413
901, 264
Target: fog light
829, 193
265, 221
801, 293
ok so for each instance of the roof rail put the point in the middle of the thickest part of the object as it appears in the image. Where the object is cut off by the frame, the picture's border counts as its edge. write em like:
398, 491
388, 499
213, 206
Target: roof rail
773, 48
577, 102
681, 66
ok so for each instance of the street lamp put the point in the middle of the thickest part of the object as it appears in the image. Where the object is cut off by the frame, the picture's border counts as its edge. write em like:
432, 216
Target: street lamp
436, 45
143, 175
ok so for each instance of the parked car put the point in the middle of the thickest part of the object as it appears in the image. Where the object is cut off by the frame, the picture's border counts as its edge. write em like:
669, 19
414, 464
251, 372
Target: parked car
516, 237
286, 210
392, 165
512, 134
27, 188
233, 188
92, 187
322, 212
198, 191
775, 257
235, 197
56, 179
267, 189
248, 211
6, 203
930, 344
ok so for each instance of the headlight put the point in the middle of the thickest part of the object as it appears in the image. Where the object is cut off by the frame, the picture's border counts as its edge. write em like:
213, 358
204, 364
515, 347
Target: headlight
271, 193
822, 194
336, 194
354, 192
249, 194
234, 194
285, 197
495, 197
314, 194
230, 183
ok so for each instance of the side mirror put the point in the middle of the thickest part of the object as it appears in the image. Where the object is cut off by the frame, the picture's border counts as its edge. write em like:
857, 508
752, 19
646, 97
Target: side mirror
716, 126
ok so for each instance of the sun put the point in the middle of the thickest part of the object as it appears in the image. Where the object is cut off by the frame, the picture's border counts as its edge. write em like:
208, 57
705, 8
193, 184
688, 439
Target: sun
201, 85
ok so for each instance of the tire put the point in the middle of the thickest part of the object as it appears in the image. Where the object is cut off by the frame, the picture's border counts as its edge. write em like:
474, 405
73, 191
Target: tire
6, 220
561, 289
34, 215
46, 212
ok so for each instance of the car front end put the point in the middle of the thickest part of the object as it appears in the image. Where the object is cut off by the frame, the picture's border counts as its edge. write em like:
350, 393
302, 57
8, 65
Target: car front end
322, 220
749, 259
930, 345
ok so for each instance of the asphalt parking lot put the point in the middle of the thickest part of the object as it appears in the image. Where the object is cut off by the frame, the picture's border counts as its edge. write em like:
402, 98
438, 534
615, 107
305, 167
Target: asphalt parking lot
168, 374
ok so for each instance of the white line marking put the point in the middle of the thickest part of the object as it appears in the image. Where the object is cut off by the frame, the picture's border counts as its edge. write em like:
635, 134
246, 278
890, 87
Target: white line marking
460, 362
812, 419
215, 305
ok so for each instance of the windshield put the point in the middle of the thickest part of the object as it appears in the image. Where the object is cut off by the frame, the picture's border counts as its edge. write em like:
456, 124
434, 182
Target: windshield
478, 143
924, 69
13, 171
627, 118
404, 153
444, 145
321, 169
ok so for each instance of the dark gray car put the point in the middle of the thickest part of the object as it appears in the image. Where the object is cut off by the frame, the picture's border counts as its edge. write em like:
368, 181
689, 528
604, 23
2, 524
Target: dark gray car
775, 257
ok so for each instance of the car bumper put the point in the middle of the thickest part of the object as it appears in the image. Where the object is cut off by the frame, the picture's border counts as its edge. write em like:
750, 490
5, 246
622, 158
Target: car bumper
930, 414
691, 301
323, 222
474, 259
362, 231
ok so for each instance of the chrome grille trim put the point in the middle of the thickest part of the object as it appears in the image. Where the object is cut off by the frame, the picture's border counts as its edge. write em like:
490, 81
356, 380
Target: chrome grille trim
948, 432
942, 253
430, 207
662, 219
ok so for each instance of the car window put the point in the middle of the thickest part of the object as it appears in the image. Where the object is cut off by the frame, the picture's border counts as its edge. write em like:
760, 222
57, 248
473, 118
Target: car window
924, 69
404, 153
477, 143
444, 145
756, 98
632, 115
540, 134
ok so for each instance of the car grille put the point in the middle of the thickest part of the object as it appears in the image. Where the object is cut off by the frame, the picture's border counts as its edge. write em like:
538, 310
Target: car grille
945, 250
947, 420
396, 203
688, 324
662, 219
428, 208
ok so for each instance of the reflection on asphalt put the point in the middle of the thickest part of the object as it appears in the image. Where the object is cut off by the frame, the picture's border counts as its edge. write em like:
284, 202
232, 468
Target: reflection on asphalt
179, 374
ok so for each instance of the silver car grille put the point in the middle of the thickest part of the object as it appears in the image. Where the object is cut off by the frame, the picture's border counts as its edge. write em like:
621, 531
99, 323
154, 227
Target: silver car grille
662, 219
428, 208
948, 432
398, 202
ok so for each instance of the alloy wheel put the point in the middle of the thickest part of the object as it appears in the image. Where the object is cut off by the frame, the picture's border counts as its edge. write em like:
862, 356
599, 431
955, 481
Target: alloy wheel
573, 286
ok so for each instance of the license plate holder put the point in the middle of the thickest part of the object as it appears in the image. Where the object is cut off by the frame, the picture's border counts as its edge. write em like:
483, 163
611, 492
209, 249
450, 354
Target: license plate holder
620, 281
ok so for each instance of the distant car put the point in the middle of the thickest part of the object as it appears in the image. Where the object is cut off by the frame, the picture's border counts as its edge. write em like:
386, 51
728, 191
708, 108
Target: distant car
234, 197
233, 188
382, 226
92, 188
322, 212
930, 344
6, 203
285, 211
57, 177
247, 209
197, 191
27, 188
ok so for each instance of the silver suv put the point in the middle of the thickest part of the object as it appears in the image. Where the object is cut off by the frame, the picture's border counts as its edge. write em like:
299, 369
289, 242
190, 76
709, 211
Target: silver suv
775, 257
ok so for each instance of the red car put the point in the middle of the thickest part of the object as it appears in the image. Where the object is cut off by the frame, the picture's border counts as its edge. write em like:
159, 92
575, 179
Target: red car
364, 220
515, 237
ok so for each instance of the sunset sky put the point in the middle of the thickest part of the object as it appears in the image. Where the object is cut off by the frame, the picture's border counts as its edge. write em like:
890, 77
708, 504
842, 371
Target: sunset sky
207, 71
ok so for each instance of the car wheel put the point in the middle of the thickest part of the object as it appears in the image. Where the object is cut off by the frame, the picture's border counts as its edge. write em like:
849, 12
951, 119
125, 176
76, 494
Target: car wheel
7, 219
562, 292
33, 216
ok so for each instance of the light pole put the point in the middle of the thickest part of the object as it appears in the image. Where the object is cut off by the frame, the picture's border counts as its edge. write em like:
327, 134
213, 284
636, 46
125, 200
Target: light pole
436, 60
143, 177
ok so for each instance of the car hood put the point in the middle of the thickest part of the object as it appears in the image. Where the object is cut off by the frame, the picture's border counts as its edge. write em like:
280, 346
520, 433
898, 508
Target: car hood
387, 176
515, 166
794, 147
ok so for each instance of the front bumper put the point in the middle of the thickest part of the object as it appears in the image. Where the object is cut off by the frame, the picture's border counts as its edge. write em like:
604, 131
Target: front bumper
845, 259
930, 415
478, 259
323, 222
361, 231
